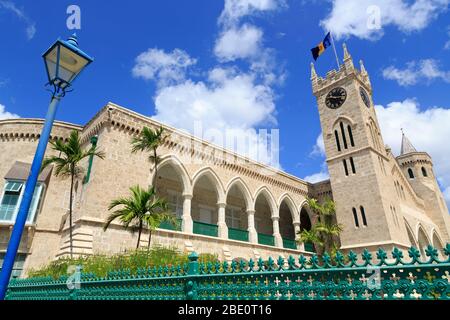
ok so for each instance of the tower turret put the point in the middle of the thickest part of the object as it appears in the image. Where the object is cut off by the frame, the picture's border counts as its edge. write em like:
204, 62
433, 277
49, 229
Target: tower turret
418, 168
357, 158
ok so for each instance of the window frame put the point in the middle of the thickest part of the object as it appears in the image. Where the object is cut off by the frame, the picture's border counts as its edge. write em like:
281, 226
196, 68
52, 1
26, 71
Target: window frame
338, 143
178, 204
35, 205
424, 172
352, 165
346, 171
363, 216
233, 214
355, 217
411, 174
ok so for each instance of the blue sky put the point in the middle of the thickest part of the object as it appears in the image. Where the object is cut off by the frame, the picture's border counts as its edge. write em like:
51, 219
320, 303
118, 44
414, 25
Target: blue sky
246, 61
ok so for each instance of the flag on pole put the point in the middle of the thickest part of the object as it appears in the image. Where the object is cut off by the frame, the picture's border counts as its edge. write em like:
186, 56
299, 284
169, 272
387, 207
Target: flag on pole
317, 51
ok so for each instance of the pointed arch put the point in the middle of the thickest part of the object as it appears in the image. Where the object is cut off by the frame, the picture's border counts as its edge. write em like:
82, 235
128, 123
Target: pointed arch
437, 240
344, 119
291, 205
410, 233
270, 199
242, 186
175, 163
214, 179
422, 239
304, 206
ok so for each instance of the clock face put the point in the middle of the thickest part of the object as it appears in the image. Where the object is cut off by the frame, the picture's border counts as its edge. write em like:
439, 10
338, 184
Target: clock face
336, 98
364, 97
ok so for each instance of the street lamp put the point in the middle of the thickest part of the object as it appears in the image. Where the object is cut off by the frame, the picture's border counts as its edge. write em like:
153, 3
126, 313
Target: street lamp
64, 61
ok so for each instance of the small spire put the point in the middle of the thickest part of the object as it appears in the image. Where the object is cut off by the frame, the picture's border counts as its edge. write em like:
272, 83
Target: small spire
346, 54
407, 146
363, 69
313, 71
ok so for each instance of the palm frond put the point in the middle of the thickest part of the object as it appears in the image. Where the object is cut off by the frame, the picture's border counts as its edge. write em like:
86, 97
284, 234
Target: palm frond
148, 140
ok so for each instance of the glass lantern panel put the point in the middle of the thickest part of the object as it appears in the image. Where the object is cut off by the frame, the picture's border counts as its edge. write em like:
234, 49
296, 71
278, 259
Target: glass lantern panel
50, 63
70, 64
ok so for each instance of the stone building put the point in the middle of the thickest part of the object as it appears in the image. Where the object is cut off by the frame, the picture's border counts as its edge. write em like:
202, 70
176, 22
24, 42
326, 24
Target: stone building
227, 204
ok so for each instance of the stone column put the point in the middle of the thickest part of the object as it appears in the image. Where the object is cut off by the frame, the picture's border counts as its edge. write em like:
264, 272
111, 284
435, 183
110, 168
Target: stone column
187, 224
252, 234
300, 246
221, 223
276, 232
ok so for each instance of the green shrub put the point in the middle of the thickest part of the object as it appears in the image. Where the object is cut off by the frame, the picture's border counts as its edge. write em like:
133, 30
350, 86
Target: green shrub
100, 265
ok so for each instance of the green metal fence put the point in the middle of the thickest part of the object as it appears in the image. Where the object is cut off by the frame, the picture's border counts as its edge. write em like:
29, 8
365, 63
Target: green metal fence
289, 244
345, 277
237, 234
206, 229
266, 239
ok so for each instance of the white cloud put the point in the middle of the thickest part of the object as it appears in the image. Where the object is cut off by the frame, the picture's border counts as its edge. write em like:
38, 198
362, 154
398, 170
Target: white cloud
447, 196
229, 100
447, 44
236, 9
415, 72
357, 17
317, 177
5, 114
227, 104
428, 131
31, 31
318, 152
165, 68
319, 147
216, 102
239, 43
3, 82
20, 13
320, 176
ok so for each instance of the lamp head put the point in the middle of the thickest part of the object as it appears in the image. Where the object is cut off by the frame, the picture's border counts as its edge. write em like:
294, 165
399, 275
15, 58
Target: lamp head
64, 61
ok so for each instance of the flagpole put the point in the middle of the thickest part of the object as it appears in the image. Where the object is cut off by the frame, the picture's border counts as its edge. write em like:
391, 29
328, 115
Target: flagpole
335, 52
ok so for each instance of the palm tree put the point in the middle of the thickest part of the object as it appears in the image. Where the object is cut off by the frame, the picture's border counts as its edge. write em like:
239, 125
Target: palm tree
325, 231
67, 164
150, 140
143, 207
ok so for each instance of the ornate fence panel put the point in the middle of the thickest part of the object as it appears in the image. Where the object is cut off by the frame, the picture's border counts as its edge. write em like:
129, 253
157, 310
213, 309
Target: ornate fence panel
349, 277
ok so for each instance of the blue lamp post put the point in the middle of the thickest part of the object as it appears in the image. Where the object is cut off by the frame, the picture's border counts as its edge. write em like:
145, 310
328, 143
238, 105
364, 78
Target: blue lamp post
64, 61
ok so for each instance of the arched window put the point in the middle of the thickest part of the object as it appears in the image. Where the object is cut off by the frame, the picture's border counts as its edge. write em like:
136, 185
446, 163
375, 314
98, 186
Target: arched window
345, 167
352, 164
350, 133
343, 135
338, 144
411, 173
363, 215
403, 192
382, 165
396, 217
424, 172
375, 135
355, 217
397, 188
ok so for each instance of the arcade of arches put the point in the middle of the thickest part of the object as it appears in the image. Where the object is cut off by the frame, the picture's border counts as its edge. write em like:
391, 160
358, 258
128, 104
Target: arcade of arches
204, 207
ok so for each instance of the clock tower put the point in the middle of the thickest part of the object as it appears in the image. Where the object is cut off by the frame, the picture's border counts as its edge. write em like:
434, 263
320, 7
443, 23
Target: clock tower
357, 158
